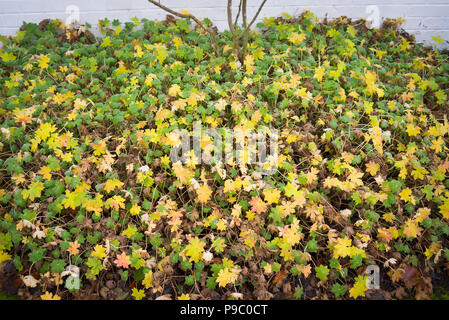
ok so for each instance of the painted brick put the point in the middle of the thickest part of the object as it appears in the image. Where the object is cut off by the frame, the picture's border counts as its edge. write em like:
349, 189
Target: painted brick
425, 18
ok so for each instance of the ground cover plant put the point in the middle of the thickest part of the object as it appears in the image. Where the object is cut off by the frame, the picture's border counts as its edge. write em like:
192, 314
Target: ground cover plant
93, 208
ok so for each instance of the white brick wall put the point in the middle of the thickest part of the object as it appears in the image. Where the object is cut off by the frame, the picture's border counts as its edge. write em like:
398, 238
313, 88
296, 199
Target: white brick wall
424, 18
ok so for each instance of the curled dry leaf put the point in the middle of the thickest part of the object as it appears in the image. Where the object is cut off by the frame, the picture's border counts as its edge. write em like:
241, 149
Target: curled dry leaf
30, 281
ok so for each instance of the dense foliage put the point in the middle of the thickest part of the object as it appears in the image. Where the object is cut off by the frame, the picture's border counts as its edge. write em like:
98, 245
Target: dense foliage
92, 206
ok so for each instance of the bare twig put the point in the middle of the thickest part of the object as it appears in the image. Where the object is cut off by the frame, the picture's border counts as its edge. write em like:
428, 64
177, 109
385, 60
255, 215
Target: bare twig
198, 22
232, 26
257, 14
238, 14
245, 28
235, 38
245, 24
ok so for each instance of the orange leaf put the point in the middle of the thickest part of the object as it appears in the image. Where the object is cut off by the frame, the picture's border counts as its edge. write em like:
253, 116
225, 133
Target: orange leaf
279, 276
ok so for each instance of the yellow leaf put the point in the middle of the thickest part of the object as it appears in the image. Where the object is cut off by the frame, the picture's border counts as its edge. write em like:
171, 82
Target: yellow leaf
272, 195
45, 130
405, 194
413, 130
422, 214
437, 145
192, 99
306, 270
177, 41
111, 184
149, 79
115, 202
94, 205
292, 236
135, 210
319, 73
444, 209
129, 231
296, 38
183, 174
290, 189
359, 288
342, 248
7, 56
195, 249
411, 229
99, 252
372, 168
138, 294
249, 64
419, 173
389, 217
174, 90
227, 276
221, 225
258, 53
184, 296
438, 39
148, 280
204, 193
4, 256
34, 191
49, 296
43, 62
432, 250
